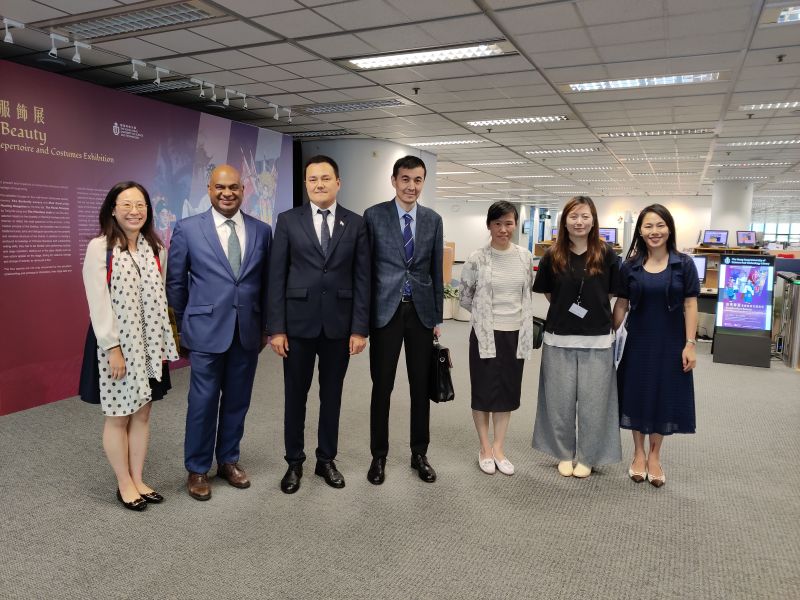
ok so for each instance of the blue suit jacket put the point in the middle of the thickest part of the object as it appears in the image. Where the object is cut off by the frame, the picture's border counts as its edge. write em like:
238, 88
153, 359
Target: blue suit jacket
201, 288
389, 263
310, 293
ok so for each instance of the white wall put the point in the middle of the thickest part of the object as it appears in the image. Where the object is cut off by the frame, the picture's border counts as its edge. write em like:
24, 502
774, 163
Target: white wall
365, 168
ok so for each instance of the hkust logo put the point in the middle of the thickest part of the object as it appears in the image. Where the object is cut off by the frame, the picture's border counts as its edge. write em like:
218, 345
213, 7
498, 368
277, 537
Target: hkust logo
727, 260
126, 130
115, 128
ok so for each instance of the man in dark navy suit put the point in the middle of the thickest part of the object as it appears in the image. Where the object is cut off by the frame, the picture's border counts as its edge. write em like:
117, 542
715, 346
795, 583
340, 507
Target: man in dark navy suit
406, 242
217, 286
318, 306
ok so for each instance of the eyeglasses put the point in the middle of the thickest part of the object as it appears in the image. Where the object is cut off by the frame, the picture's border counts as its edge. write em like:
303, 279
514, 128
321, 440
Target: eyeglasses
128, 207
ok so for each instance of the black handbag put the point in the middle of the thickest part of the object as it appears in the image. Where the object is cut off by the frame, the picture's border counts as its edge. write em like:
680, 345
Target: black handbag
538, 332
440, 385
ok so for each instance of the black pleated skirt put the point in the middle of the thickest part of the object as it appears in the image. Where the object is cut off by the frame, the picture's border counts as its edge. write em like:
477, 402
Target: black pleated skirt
496, 382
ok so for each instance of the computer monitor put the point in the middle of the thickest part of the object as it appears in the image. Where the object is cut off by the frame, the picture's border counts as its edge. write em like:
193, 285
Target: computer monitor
715, 237
746, 238
554, 233
700, 263
526, 227
608, 234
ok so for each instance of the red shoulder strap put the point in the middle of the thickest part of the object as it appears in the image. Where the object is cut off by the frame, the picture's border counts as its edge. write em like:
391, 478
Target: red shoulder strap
109, 261
158, 263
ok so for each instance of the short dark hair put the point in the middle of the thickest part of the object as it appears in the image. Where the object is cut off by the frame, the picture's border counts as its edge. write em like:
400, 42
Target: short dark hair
409, 162
318, 159
500, 208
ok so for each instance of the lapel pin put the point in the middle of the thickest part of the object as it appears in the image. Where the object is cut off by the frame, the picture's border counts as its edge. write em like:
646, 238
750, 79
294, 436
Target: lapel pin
341, 223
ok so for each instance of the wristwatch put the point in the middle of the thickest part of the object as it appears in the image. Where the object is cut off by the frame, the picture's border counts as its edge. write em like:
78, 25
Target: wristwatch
692, 342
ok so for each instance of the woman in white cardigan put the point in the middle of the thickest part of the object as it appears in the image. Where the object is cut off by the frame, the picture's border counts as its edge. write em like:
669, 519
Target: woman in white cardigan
496, 284
123, 277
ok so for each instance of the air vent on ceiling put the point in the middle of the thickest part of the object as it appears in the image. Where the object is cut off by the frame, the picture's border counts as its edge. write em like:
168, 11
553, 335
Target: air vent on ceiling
337, 107
126, 21
154, 88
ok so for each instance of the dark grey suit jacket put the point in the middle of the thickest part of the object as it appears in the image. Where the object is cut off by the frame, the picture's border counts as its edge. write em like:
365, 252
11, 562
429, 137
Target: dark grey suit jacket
389, 263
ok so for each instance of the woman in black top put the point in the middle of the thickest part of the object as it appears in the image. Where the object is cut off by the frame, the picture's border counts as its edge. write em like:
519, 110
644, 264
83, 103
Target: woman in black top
577, 383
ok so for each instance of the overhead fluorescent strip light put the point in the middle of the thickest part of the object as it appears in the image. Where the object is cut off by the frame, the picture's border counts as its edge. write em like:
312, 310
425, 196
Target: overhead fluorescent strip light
336, 107
447, 143
517, 121
790, 14
426, 57
770, 106
662, 157
622, 134
325, 133
164, 86
499, 163
562, 151
609, 168
763, 143
751, 164
642, 82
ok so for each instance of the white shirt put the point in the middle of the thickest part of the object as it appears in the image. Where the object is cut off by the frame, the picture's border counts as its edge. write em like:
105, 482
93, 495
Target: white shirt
224, 231
317, 218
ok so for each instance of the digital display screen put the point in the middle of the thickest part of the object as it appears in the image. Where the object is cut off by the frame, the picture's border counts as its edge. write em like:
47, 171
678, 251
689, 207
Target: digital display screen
715, 237
744, 297
608, 234
746, 238
554, 233
700, 263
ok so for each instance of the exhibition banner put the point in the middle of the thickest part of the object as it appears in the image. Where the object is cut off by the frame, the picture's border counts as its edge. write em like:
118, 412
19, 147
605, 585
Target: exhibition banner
745, 292
63, 144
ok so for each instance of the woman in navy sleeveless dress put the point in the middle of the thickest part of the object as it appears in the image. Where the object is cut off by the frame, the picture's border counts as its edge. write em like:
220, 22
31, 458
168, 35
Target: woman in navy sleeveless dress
658, 291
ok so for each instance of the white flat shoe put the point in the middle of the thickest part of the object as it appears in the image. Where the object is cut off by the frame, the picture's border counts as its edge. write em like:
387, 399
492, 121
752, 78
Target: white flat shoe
657, 481
486, 464
581, 471
504, 466
565, 468
636, 476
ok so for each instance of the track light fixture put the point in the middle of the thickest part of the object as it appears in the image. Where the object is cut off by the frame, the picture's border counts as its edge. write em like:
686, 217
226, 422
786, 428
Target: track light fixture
213, 92
159, 71
243, 96
226, 101
78, 45
289, 115
53, 37
136, 63
201, 84
11, 23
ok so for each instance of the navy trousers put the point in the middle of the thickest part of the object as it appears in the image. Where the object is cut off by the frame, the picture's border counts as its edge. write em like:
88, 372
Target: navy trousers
219, 396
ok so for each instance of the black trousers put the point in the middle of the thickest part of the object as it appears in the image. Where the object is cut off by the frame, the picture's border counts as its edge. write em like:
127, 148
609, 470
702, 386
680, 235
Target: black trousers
384, 353
298, 370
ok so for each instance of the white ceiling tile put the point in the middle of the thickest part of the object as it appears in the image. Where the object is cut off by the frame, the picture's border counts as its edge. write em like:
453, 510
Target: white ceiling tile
297, 23
135, 48
364, 93
565, 58
248, 8
534, 19
72, 7
598, 12
550, 41
314, 68
231, 59
223, 78
462, 29
648, 30
326, 96
297, 85
708, 23
772, 37
184, 64
400, 38
181, 41
675, 7
341, 81
279, 53
29, 12
361, 14
284, 100
418, 10
706, 44
636, 50
258, 89
266, 74
234, 33
339, 46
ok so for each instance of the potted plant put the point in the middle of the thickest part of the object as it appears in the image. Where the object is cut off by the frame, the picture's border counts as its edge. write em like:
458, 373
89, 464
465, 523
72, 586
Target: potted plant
450, 301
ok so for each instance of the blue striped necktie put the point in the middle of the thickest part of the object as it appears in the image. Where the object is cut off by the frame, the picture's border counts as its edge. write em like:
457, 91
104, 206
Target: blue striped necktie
408, 245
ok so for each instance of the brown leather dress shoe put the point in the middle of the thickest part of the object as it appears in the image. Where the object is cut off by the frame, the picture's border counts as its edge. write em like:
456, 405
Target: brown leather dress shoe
198, 486
234, 475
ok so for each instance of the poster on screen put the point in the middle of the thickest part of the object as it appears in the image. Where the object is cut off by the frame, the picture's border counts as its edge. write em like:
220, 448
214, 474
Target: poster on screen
744, 298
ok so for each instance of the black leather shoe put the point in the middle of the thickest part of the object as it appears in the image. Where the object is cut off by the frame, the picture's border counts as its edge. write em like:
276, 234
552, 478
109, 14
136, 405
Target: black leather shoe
153, 498
138, 505
291, 481
328, 471
423, 467
377, 471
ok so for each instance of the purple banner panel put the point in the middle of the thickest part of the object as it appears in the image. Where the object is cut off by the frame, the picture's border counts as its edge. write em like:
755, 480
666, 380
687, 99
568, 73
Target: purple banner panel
63, 145
745, 292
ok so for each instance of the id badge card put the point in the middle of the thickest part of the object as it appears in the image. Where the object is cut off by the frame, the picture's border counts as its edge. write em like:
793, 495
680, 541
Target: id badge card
577, 310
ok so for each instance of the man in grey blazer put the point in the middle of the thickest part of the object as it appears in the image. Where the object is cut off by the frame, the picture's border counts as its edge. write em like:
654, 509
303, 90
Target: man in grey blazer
406, 243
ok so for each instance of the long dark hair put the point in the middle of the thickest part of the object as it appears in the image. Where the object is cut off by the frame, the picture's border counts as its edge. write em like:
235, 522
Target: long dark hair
109, 227
559, 252
639, 246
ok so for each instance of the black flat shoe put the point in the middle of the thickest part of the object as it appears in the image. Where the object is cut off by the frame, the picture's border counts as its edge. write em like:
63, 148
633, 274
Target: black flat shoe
153, 498
291, 481
377, 471
419, 462
331, 475
138, 505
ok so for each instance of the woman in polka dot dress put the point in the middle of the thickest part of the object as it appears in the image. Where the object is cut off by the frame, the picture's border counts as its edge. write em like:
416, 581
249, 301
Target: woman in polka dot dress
128, 308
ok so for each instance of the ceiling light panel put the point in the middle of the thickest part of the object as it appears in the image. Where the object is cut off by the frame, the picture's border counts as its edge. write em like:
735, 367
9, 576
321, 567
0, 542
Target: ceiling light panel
517, 121
657, 132
561, 151
751, 164
152, 87
609, 168
763, 143
337, 107
429, 56
446, 143
325, 133
499, 163
150, 17
770, 106
780, 15
643, 82
662, 157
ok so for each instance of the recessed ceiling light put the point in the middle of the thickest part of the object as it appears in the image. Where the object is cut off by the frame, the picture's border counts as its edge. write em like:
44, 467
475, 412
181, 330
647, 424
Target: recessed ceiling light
790, 14
608, 168
742, 177
499, 163
454, 172
763, 143
336, 107
517, 121
641, 82
429, 56
665, 173
446, 143
751, 164
562, 151
324, 133
652, 132
770, 106
661, 157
